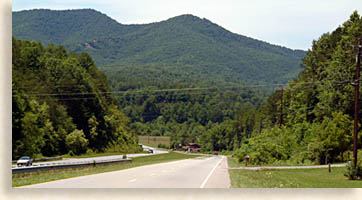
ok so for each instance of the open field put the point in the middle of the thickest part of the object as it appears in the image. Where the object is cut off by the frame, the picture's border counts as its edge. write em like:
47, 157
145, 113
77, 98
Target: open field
291, 178
52, 175
154, 141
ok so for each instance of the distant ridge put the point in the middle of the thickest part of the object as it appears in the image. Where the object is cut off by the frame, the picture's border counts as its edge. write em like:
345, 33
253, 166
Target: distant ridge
208, 51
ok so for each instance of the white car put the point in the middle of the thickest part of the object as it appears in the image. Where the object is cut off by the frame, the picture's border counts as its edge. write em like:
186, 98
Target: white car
24, 160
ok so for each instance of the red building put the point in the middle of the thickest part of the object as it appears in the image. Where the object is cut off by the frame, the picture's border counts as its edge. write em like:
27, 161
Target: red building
192, 147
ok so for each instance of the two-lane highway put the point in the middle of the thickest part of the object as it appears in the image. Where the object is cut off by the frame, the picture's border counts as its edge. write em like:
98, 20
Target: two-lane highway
206, 172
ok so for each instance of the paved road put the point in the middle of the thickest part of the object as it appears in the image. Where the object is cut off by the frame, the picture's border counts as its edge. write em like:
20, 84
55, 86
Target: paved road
209, 172
97, 159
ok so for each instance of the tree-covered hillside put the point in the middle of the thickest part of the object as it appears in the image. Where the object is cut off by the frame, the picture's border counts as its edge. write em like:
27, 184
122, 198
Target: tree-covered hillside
59, 104
65, 27
318, 106
185, 45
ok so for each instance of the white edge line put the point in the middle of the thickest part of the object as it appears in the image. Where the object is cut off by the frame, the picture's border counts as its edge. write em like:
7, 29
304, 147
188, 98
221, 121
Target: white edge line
209, 175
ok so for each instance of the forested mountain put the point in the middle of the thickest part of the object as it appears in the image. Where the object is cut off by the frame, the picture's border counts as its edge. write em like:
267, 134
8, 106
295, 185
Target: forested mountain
318, 106
59, 104
186, 47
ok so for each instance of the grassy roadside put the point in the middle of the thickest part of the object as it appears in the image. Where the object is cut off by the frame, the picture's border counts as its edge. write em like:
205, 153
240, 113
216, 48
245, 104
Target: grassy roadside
290, 178
86, 155
154, 141
93, 154
22, 179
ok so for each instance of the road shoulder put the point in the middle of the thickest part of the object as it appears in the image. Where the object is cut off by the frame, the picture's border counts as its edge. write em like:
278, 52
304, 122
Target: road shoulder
220, 177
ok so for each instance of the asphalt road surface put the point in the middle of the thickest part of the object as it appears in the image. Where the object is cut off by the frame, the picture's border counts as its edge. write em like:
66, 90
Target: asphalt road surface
206, 172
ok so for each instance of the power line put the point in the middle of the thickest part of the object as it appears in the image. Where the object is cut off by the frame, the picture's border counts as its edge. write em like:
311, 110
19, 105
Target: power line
140, 91
149, 92
112, 95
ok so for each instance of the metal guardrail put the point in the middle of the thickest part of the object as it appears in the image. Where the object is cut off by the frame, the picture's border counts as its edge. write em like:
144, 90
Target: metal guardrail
51, 166
46, 159
43, 159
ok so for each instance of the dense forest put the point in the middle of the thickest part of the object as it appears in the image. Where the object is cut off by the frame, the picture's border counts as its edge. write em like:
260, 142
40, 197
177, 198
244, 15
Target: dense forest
187, 46
59, 106
190, 115
318, 106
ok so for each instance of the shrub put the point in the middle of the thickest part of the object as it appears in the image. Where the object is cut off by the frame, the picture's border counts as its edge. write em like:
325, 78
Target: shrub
268, 147
76, 142
354, 173
164, 146
71, 153
90, 152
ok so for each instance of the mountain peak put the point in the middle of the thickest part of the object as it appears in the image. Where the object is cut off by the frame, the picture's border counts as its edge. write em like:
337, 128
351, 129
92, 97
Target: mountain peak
186, 18
182, 41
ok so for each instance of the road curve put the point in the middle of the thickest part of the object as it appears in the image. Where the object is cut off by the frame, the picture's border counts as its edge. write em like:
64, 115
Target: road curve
209, 172
96, 159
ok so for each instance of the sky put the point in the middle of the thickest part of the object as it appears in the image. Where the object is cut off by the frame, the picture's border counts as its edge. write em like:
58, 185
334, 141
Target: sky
290, 23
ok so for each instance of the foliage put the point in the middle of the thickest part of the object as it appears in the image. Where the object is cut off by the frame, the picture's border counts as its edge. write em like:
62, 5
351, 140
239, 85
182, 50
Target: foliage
318, 105
300, 143
331, 138
270, 146
185, 116
354, 173
183, 47
154, 141
76, 142
163, 146
56, 93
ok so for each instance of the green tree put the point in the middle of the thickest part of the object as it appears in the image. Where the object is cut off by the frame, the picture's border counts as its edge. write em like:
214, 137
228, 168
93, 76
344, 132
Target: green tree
76, 142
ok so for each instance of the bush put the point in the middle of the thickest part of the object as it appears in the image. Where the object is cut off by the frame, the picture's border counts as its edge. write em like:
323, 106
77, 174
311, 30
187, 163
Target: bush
270, 146
76, 142
71, 153
114, 147
90, 152
164, 146
124, 156
354, 173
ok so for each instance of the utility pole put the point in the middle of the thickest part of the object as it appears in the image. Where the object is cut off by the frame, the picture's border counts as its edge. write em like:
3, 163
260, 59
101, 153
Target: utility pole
281, 108
356, 104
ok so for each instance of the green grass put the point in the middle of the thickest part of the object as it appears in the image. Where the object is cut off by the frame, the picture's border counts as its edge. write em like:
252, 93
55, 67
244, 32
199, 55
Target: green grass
153, 141
233, 163
291, 178
22, 179
93, 154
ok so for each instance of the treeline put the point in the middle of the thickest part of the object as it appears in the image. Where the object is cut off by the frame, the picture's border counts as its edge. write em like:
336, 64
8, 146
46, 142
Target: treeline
318, 106
61, 104
186, 46
186, 111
